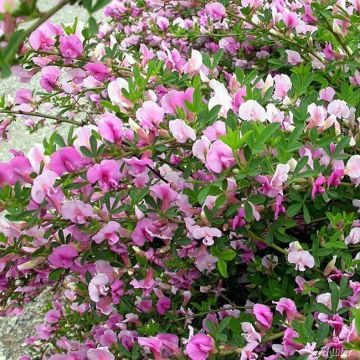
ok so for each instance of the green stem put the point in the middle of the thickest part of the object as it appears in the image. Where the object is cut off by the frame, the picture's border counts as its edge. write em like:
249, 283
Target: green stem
274, 246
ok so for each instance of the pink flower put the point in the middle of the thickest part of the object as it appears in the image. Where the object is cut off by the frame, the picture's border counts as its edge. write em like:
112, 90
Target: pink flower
293, 57
291, 19
317, 115
63, 256
49, 77
200, 347
101, 353
176, 99
76, 211
250, 334
150, 115
335, 177
181, 131
282, 86
300, 257
352, 169
98, 70
207, 234
204, 260
273, 187
163, 346
111, 128
219, 157
263, 315
163, 305
109, 232
23, 96
327, 94
98, 287
106, 174
251, 110
287, 306
317, 187
216, 11
139, 236
43, 186
71, 46
165, 193
43, 37
66, 160
217, 129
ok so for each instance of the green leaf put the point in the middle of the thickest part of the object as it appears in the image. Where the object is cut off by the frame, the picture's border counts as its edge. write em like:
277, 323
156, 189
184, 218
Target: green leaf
222, 267
293, 209
100, 4
55, 274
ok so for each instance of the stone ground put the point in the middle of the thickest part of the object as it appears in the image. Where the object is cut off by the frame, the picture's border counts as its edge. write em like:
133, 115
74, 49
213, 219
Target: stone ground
14, 330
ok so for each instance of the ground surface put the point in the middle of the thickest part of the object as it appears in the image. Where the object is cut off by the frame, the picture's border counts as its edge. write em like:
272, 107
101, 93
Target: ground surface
14, 330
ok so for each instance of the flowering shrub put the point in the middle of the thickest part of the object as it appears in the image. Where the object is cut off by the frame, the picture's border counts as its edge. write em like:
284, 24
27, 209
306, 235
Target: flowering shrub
200, 199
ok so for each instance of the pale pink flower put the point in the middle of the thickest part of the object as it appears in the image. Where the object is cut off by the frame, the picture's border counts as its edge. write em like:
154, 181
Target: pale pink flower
263, 315
221, 97
352, 169
176, 99
181, 131
200, 148
290, 19
115, 92
207, 234
76, 211
195, 63
83, 135
150, 115
339, 108
37, 157
101, 353
162, 346
217, 129
23, 96
317, 115
43, 186
282, 86
98, 287
249, 333
63, 256
251, 110
300, 257
353, 237
200, 347
293, 57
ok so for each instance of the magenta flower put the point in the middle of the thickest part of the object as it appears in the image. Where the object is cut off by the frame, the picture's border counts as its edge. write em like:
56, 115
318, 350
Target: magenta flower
106, 174
139, 236
63, 256
200, 347
43, 38
98, 70
163, 305
162, 346
111, 128
317, 187
219, 157
23, 96
263, 315
66, 160
71, 46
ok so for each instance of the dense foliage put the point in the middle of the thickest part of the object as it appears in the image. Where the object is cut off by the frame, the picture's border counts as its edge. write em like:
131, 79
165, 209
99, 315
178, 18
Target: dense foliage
198, 198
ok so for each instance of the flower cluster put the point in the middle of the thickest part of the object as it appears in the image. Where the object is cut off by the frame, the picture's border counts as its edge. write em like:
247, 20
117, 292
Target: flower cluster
198, 198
